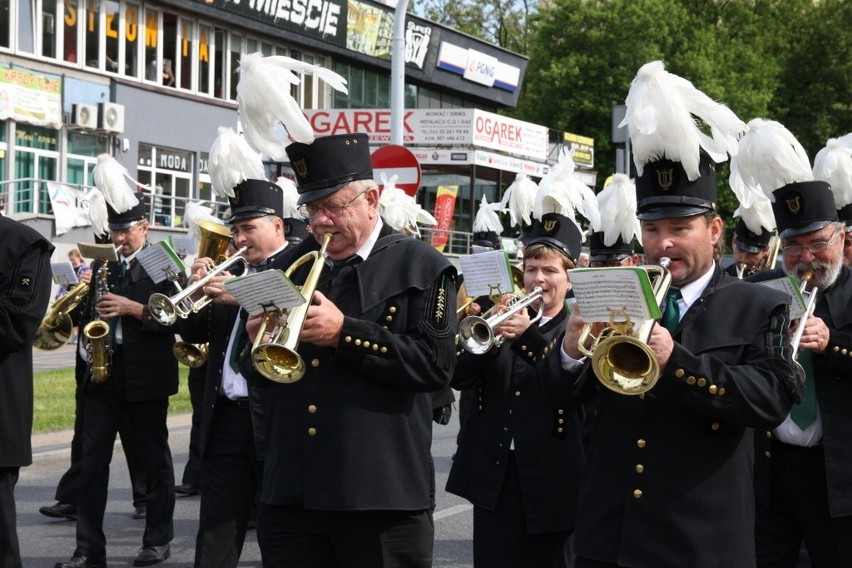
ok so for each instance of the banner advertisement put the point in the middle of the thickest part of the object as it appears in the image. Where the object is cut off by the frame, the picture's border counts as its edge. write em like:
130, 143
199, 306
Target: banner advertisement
70, 207
445, 205
34, 98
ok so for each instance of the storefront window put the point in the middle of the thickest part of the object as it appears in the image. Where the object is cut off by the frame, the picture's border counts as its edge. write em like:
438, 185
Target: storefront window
186, 54
36, 160
205, 49
5, 32
220, 81
131, 40
113, 24
49, 21
169, 40
153, 70
93, 33
169, 172
70, 31
236, 53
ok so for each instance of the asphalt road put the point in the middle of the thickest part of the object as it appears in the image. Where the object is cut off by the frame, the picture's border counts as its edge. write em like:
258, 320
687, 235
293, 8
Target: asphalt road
45, 541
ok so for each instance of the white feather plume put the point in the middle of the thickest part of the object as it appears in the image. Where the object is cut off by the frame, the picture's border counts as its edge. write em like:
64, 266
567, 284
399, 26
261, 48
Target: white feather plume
195, 212
400, 210
833, 164
562, 192
97, 211
487, 219
264, 99
769, 157
662, 109
232, 161
290, 197
617, 206
759, 217
519, 200
111, 178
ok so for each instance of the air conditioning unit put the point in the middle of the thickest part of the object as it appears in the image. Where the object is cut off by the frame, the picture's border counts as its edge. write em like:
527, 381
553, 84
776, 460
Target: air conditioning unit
111, 117
84, 116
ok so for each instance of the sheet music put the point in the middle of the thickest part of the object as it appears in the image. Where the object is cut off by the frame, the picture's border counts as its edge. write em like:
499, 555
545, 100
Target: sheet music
264, 291
98, 251
487, 274
602, 292
160, 262
790, 286
64, 274
183, 245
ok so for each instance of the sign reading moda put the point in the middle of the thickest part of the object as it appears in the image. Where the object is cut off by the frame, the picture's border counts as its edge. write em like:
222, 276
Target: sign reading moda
438, 127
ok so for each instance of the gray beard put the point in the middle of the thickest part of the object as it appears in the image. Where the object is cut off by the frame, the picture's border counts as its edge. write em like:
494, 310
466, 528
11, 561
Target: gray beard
830, 272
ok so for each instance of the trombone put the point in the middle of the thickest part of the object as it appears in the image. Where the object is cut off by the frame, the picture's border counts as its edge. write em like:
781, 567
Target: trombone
277, 359
621, 358
476, 333
800, 327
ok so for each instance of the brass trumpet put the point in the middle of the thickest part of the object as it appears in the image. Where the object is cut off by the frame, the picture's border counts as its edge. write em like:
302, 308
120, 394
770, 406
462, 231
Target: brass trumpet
193, 355
166, 310
277, 359
621, 358
800, 327
476, 334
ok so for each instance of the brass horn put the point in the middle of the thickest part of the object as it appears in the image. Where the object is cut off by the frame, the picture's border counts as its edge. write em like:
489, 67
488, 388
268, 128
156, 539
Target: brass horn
800, 327
56, 327
620, 356
277, 359
476, 334
193, 355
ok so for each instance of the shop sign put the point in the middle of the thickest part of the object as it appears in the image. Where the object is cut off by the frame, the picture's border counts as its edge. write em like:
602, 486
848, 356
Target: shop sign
583, 147
478, 67
438, 127
30, 97
322, 19
416, 43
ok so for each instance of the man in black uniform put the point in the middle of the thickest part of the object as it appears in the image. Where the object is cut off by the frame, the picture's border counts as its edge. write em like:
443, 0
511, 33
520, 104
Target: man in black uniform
347, 473
668, 475
231, 435
520, 453
751, 250
24, 294
142, 376
803, 469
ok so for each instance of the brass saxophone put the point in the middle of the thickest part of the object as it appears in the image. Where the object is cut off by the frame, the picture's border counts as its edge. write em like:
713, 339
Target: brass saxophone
99, 348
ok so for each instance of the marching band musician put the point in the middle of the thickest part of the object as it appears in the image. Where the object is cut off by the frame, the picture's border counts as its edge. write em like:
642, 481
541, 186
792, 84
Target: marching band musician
803, 468
750, 250
231, 437
143, 375
520, 455
347, 473
25, 284
667, 481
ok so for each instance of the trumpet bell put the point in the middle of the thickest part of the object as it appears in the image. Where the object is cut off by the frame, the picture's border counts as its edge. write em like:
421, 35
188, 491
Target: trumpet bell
625, 365
54, 335
162, 308
193, 355
278, 363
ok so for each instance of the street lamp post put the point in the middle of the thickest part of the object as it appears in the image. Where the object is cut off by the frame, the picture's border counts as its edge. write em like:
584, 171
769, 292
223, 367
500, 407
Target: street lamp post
398, 72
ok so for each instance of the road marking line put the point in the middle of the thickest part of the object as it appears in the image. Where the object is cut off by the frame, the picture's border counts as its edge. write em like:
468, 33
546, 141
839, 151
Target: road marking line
454, 510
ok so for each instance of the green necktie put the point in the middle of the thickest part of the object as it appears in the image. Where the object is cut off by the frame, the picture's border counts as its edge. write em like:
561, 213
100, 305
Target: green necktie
123, 269
671, 315
804, 413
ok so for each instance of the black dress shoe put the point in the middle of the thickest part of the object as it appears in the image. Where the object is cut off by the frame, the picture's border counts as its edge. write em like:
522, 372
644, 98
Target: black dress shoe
60, 511
152, 555
187, 489
81, 562
141, 511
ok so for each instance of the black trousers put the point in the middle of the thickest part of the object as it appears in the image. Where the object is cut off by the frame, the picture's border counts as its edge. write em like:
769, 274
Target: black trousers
292, 536
104, 411
230, 479
799, 512
69, 484
500, 537
192, 470
10, 552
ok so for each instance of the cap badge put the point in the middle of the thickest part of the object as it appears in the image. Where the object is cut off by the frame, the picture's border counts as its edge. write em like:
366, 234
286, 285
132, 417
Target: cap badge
301, 167
665, 178
794, 204
550, 225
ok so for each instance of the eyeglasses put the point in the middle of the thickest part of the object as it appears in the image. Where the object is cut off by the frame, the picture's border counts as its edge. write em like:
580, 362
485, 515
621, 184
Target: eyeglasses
814, 247
332, 210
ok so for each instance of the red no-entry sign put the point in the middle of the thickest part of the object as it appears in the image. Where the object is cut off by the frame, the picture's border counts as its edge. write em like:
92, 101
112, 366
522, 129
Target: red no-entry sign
399, 161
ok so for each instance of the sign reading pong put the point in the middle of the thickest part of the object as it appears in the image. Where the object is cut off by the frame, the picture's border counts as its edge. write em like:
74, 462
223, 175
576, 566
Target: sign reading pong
399, 161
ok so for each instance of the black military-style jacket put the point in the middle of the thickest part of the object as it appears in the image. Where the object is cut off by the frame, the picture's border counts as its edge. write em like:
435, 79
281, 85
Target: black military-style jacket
25, 284
150, 367
833, 380
668, 477
510, 405
355, 432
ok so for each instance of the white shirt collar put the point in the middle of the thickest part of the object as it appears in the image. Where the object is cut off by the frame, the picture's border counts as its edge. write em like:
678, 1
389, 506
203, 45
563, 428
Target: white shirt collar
693, 290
